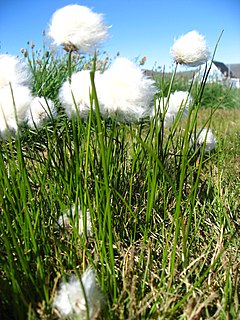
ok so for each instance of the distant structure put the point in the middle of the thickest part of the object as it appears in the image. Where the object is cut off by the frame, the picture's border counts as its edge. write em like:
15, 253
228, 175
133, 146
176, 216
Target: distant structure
222, 73
226, 74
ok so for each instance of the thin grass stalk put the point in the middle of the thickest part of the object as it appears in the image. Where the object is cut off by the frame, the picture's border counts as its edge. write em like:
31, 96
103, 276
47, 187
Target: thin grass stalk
183, 169
152, 186
178, 216
24, 189
106, 181
86, 171
201, 278
13, 187
69, 66
171, 82
207, 71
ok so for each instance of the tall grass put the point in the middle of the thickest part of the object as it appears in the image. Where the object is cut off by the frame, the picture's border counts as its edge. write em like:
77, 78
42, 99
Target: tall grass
165, 240
215, 94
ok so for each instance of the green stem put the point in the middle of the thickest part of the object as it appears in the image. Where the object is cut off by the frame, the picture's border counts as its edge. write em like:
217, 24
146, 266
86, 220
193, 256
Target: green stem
106, 177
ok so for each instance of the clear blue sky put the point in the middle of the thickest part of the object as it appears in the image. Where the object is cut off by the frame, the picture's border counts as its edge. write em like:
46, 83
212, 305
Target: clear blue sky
139, 28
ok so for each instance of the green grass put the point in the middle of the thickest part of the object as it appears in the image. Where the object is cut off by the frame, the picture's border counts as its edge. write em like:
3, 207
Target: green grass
165, 218
215, 94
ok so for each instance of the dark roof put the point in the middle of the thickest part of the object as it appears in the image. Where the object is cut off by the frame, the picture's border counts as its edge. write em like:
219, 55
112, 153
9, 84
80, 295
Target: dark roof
223, 68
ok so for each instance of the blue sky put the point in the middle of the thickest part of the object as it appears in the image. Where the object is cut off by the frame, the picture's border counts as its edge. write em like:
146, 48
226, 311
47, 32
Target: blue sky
139, 28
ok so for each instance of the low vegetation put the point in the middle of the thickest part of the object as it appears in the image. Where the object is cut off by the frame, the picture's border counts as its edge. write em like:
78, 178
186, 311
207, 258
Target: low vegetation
165, 214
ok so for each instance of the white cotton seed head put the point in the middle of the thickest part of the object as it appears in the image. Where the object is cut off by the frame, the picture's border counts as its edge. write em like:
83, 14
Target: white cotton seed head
179, 101
125, 92
14, 71
66, 218
75, 97
14, 103
190, 49
77, 28
122, 90
70, 301
40, 110
206, 136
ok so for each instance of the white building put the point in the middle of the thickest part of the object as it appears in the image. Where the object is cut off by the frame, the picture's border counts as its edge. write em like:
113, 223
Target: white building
219, 72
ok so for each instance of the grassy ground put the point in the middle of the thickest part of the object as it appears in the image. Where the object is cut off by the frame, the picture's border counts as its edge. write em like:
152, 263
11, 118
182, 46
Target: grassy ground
165, 242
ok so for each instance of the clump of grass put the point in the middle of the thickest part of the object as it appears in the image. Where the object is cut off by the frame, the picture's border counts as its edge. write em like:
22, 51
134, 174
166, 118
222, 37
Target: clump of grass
164, 215
222, 95
215, 94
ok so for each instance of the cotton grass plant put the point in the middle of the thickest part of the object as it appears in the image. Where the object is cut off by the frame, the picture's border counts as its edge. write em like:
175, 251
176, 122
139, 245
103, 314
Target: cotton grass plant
40, 110
14, 71
14, 103
79, 298
163, 240
77, 27
125, 92
190, 49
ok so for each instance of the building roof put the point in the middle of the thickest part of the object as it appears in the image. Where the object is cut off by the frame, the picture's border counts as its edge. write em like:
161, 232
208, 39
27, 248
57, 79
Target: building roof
226, 71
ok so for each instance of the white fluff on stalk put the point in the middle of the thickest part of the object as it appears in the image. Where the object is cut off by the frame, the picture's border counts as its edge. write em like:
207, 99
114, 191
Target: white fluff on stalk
65, 221
77, 27
190, 49
70, 301
179, 101
75, 96
14, 104
125, 92
206, 136
41, 109
14, 71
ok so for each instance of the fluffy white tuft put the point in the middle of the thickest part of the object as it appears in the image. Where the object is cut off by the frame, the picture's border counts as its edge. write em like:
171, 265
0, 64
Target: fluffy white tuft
66, 218
190, 49
41, 109
14, 104
206, 136
70, 301
77, 28
125, 92
179, 101
14, 71
75, 96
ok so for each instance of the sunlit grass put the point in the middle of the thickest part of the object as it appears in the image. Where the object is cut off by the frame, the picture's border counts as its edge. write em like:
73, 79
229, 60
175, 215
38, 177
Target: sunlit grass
165, 218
